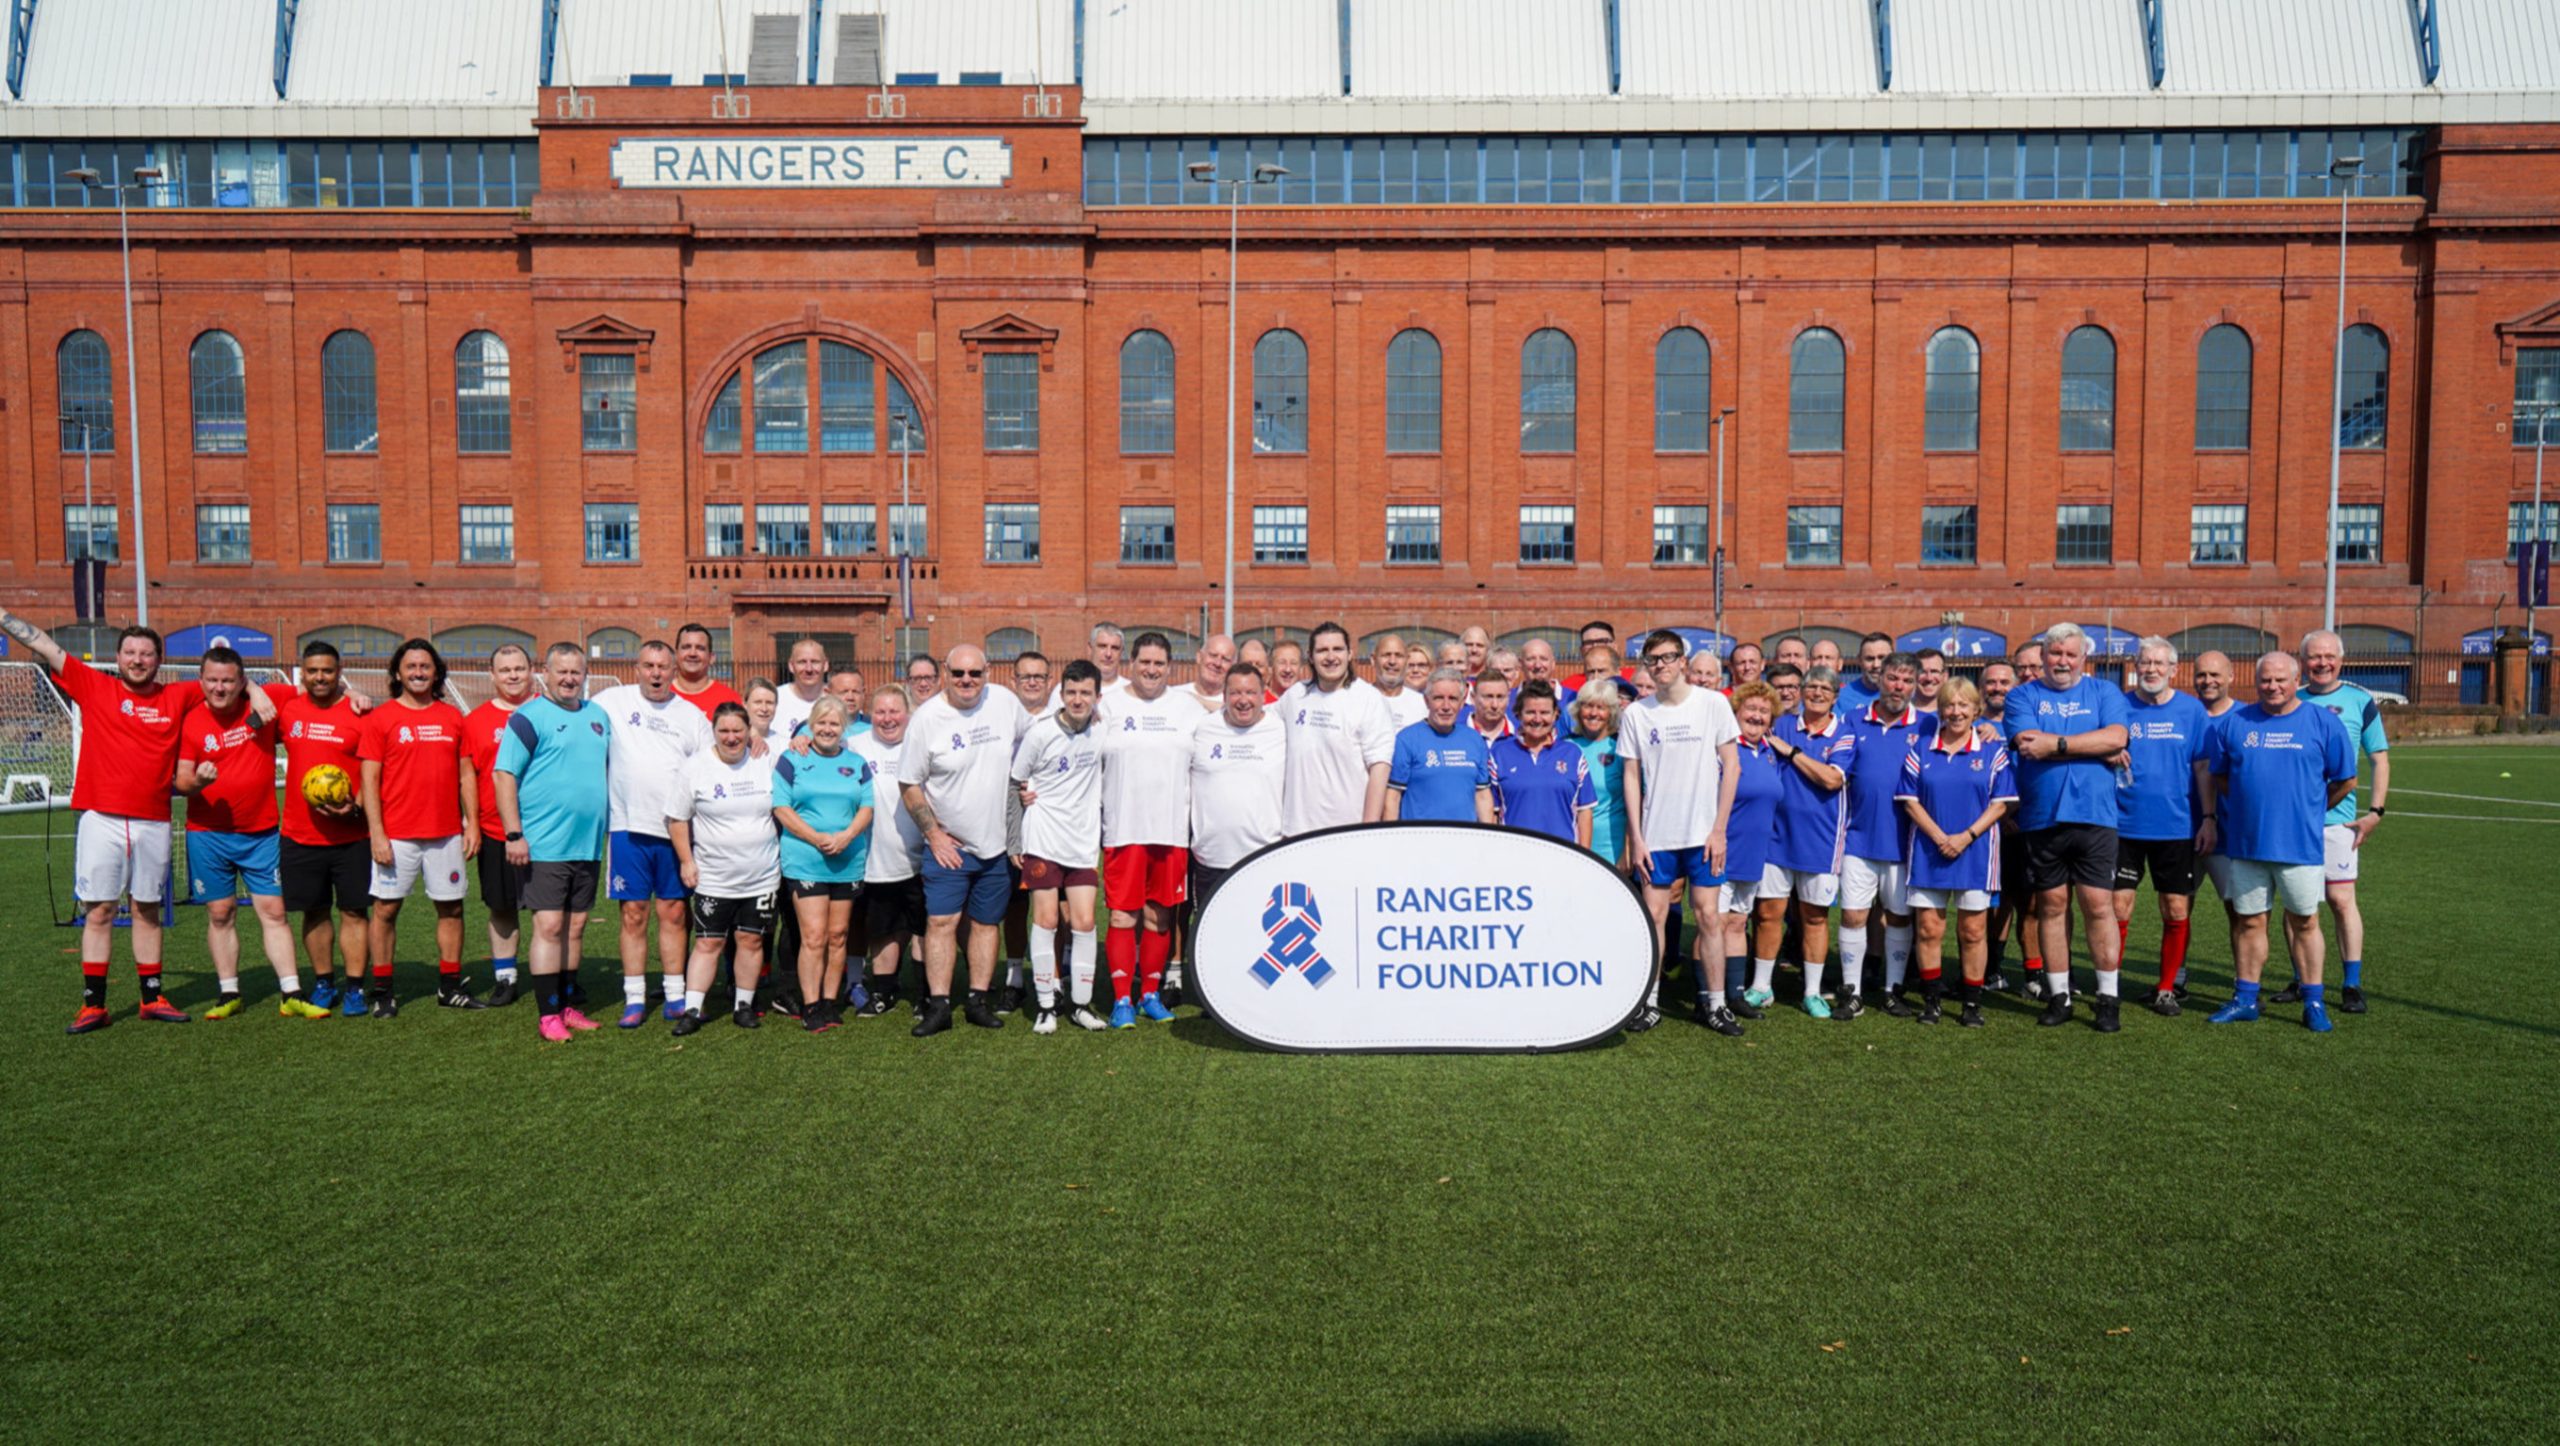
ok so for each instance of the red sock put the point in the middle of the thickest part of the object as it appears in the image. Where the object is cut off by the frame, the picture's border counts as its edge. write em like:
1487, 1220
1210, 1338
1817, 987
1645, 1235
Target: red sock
2035, 964
2124, 935
1153, 950
2173, 951
449, 970
381, 976
1120, 954
1929, 971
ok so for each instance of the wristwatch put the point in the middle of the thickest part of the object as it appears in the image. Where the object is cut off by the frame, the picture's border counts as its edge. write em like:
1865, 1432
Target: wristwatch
515, 838
2376, 810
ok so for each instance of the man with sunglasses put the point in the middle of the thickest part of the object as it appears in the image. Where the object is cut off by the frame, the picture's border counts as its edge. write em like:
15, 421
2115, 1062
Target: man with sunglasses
1680, 751
954, 775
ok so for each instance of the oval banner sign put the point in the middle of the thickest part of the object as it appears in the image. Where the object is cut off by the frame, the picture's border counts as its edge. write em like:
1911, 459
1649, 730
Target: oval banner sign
1421, 937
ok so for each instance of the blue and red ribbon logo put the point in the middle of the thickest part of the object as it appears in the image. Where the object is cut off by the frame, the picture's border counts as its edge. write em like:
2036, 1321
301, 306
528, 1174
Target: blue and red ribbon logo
1290, 921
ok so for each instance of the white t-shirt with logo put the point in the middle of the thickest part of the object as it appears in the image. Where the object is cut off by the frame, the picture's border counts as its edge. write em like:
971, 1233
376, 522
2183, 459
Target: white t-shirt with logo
896, 841
1064, 822
1406, 706
651, 744
1676, 748
1146, 768
1207, 702
790, 710
964, 760
737, 852
1334, 740
1236, 783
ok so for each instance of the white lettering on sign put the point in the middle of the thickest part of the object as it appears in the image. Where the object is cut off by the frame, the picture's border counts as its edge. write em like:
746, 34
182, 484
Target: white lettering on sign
811, 163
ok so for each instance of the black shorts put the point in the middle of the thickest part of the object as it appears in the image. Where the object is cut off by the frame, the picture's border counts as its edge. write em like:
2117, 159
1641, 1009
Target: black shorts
552, 886
501, 883
2013, 865
823, 888
2171, 863
2071, 853
893, 911
308, 876
1204, 882
719, 918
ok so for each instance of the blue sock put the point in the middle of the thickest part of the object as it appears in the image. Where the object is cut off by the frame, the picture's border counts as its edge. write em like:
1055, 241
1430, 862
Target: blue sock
2355, 974
503, 965
2245, 992
1737, 974
2311, 993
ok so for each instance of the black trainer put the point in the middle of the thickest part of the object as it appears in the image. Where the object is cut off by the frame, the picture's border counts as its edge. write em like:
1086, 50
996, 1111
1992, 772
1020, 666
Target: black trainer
458, 997
503, 995
1897, 1006
883, 999
1723, 1022
1971, 1018
385, 1004
2290, 994
1646, 1018
2033, 988
1930, 994
1997, 982
934, 1018
686, 1023
979, 1012
1009, 1001
2103, 1011
1848, 1008
745, 1017
2351, 1000
2164, 1003
1740, 1007
2057, 1010
786, 1006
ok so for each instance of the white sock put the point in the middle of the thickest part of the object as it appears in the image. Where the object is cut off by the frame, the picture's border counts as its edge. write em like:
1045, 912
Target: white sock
693, 999
2057, 983
1897, 954
1853, 962
1653, 994
1813, 978
1044, 965
507, 975
1764, 972
635, 988
1173, 974
288, 981
672, 985
1081, 947
2107, 983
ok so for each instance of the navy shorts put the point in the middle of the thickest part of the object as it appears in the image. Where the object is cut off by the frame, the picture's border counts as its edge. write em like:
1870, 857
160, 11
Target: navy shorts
644, 868
980, 888
1667, 867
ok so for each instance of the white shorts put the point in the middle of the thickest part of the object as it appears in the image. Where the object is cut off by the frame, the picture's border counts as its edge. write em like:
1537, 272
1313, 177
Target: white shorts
2217, 867
1737, 896
2338, 843
2260, 887
1865, 882
1962, 901
438, 860
112, 857
1819, 890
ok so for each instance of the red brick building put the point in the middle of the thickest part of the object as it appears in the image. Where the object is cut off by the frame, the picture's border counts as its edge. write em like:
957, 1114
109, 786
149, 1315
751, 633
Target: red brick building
2008, 371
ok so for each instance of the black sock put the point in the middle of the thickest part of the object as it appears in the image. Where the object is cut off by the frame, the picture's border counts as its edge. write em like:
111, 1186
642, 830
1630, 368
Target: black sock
93, 987
151, 984
1999, 955
1972, 995
550, 994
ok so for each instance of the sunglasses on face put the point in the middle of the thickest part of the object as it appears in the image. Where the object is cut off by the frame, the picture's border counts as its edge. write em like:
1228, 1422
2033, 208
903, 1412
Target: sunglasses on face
968, 672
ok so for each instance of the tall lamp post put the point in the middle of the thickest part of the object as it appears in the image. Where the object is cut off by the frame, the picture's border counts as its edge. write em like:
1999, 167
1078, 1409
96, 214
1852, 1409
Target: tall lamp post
2342, 170
2545, 411
143, 178
1718, 423
1206, 173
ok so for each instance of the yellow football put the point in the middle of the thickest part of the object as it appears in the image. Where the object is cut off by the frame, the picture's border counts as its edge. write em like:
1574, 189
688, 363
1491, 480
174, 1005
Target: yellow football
328, 786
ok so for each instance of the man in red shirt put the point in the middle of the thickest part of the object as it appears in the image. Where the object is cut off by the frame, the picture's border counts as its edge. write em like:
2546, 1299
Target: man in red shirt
502, 883
421, 806
324, 858
120, 788
693, 683
227, 774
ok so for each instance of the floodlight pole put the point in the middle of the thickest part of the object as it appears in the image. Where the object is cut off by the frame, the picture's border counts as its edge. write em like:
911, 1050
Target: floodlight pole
2344, 169
143, 176
1206, 172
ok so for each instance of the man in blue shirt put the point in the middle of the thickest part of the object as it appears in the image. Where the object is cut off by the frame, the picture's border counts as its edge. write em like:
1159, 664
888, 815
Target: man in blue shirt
1866, 683
1881, 733
2277, 766
1441, 773
2159, 776
2064, 728
553, 795
2323, 654
1541, 783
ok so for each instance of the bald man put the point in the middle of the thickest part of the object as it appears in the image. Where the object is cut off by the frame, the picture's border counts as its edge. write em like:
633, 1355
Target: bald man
1208, 687
954, 778
1387, 670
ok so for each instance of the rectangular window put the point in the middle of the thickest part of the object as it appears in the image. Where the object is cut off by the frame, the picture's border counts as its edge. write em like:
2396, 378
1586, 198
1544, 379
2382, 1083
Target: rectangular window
1146, 535
782, 529
1413, 534
2537, 407
222, 533
2359, 532
1012, 382
1813, 537
1013, 532
89, 533
1280, 534
489, 533
608, 390
2519, 526
909, 535
1546, 535
613, 532
2218, 536
355, 532
848, 529
2084, 536
1680, 537
724, 529
1946, 536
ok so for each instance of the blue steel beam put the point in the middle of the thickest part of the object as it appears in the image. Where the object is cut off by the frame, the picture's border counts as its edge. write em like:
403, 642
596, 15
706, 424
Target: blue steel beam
2155, 43
550, 36
286, 13
1343, 40
1609, 18
1079, 42
22, 26
2430, 39
1884, 44
817, 27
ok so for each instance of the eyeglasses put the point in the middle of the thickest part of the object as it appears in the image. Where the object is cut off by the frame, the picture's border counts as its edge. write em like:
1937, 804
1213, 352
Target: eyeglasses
967, 672
1656, 660
1025, 677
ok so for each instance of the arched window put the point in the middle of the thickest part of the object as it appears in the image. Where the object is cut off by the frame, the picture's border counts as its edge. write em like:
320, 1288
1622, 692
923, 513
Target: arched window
2089, 390
2366, 640
782, 398
1681, 391
479, 640
1546, 391
482, 392
2222, 389
1817, 390
2365, 397
218, 384
88, 398
2238, 640
1413, 392
906, 423
720, 425
1180, 646
616, 644
347, 422
1004, 645
353, 641
844, 398
1280, 393
1953, 401
1146, 394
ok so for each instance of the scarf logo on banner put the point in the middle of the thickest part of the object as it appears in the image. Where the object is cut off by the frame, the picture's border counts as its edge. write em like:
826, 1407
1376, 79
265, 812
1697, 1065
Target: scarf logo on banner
1291, 921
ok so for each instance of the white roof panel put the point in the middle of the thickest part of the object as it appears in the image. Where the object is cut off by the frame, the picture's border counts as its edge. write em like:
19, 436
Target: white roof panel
399, 53
1756, 48
2018, 47
606, 42
2499, 45
1461, 49
1188, 50
2291, 47
1024, 41
152, 53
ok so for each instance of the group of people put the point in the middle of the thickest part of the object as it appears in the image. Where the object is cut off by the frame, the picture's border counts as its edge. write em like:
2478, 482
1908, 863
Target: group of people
1030, 843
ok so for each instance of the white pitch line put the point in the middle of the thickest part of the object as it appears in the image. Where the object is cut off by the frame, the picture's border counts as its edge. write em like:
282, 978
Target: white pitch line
2478, 798
2481, 818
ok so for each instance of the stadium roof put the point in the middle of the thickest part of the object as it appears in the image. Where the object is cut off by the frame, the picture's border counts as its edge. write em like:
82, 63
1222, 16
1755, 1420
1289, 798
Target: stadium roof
352, 67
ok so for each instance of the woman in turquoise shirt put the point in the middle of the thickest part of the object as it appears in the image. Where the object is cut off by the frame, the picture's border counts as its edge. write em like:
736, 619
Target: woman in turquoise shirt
822, 800
1595, 718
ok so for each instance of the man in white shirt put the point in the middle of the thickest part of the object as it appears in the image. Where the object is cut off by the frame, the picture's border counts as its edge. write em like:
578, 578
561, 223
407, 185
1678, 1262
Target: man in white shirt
1387, 667
1679, 746
1107, 643
954, 775
1288, 664
1057, 775
1036, 686
1341, 739
655, 733
892, 892
799, 692
1237, 782
1146, 827
1209, 688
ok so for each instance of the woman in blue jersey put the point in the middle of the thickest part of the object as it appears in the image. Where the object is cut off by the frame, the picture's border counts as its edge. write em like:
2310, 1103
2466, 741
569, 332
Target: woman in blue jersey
1749, 831
1804, 859
822, 799
1956, 787
1595, 719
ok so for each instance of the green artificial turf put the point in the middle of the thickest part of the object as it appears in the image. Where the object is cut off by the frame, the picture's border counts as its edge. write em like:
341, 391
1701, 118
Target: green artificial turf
437, 1228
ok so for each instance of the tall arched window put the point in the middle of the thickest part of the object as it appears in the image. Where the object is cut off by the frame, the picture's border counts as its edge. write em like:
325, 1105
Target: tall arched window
218, 385
1546, 391
1280, 393
782, 398
1817, 391
2365, 399
2222, 389
844, 398
1681, 391
720, 427
1953, 401
1413, 392
347, 422
2089, 390
87, 393
482, 395
1146, 394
